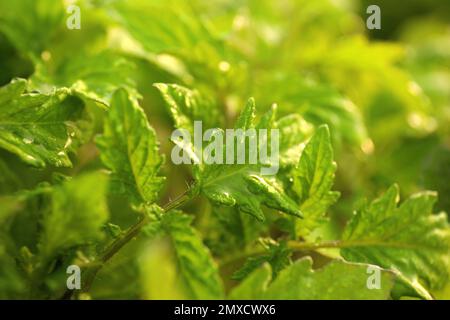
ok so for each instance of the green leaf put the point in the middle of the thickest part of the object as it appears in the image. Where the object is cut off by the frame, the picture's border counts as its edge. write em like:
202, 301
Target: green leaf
8, 205
229, 230
77, 215
12, 283
316, 103
294, 132
63, 57
313, 179
237, 185
409, 238
159, 276
130, 150
39, 128
173, 28
342, 115
243, 185
337, 280
196, 265
186, 106
254, 286
153, 228
278, 256
9, 181
37, 24
92, 76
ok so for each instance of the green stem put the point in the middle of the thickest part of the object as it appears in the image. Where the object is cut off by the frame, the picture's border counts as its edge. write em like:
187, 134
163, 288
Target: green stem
305, 246
177, 202
120, 242
302, 246
294, 245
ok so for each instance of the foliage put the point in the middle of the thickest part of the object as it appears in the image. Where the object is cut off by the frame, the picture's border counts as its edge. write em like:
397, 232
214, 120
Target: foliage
86, 176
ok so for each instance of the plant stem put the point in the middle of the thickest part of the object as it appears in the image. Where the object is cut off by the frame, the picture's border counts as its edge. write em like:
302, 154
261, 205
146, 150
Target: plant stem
294, 245
302, 246
177, 202
120, 242
305, 246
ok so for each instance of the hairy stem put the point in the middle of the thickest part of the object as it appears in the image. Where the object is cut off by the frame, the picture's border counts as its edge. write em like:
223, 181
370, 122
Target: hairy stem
120, 242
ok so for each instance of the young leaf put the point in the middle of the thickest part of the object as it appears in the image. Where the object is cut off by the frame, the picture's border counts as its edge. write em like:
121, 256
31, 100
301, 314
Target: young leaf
77, 215
39, 128
130, 150
294, 131
278, 256
197, 268
408, 238
313, 179
231, 230
232, 185
186, 106
91, 76
338, 280
244, 186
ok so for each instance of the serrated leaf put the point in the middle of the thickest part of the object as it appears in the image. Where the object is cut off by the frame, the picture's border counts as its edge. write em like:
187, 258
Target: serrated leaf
186, 105
60, 57
78, 213
196, 265
408, 238
130, 150
318, 104
91, 76
294, 132
337, 280
231, 230
244, 186
278, 256
313, 179
156, 29
39, 128
237, 185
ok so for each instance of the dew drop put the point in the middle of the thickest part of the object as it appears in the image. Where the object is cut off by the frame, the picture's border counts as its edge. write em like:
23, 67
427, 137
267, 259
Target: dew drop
27, 140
